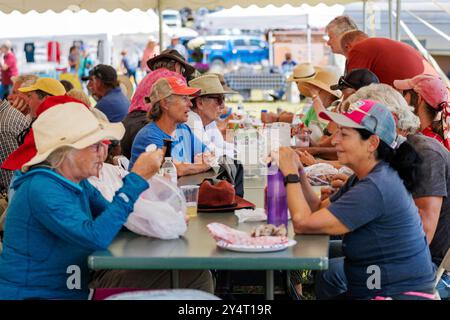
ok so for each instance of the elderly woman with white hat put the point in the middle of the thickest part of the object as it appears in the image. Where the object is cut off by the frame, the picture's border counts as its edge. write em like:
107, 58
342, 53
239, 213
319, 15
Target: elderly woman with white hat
56, 218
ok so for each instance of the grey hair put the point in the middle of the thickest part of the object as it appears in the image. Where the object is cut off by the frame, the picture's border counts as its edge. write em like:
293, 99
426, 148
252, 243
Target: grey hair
393, 100
341, 24
156, 112
57, 157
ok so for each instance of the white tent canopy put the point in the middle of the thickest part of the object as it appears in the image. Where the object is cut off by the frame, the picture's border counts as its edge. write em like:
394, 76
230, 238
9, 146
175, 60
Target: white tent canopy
91, 5
32, 24
271, 17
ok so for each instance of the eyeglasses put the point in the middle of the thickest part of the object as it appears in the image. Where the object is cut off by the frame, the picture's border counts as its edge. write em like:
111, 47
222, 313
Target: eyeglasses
219, 99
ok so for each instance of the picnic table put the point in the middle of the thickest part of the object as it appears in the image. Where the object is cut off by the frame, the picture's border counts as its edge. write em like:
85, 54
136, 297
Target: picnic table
197, 250
245, 81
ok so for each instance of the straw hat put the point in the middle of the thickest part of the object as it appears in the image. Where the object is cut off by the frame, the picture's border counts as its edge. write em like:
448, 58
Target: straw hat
222, 81
125, 85
302, 71
209, 84
323, 79
70, 124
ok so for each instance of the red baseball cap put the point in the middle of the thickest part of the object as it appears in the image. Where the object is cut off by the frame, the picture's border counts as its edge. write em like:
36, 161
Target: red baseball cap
27, 149
431, 88
166, 87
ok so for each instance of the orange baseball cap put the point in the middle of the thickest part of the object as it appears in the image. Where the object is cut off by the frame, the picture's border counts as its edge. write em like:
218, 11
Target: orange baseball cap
166, 87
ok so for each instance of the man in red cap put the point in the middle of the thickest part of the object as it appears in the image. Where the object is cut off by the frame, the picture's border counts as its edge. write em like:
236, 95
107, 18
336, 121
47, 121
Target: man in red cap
170, 107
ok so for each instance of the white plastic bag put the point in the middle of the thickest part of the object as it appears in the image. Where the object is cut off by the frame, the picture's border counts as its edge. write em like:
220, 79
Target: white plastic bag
159, 212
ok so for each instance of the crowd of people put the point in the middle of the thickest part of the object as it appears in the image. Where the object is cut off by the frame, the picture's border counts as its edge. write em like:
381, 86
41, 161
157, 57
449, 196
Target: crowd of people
385, 118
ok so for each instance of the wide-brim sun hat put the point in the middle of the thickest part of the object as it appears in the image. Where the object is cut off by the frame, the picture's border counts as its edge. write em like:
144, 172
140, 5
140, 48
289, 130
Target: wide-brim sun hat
209, 84
126, 86
172, 54
302, 71
323, 79
70, 125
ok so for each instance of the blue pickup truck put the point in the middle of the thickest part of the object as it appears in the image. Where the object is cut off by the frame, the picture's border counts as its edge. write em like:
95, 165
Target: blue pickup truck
224, 49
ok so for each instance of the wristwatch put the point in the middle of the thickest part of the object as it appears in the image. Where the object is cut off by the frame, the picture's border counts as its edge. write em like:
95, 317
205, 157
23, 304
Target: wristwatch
291, 178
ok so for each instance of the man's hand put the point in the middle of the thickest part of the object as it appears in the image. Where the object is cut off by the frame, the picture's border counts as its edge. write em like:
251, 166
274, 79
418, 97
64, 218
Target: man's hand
20, 104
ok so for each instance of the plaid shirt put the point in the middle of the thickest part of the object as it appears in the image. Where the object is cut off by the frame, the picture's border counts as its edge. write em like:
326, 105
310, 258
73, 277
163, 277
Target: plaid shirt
12, 122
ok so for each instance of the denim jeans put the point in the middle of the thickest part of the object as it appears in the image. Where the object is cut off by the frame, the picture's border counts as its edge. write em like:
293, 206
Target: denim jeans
443, 286
332, 282
4, 91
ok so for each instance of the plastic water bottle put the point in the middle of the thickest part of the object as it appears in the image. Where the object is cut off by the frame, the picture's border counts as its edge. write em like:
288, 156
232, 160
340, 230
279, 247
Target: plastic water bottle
276, 199
168, 168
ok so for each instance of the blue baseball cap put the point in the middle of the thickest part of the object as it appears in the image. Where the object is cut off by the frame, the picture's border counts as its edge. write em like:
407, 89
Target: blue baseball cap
370, 115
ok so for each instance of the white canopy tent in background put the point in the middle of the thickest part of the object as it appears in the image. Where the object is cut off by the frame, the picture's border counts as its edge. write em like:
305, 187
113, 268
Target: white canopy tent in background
271, 17
93, 5
74, 5
118, 27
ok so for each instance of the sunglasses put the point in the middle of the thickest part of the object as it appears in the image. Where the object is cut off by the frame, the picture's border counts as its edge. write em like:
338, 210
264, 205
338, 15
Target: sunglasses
219, 99
344, 84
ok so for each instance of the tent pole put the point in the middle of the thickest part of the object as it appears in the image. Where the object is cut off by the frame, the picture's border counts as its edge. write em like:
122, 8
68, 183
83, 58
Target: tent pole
391, 34
270, 40
364, 16
397, 22
308, 38
161, 24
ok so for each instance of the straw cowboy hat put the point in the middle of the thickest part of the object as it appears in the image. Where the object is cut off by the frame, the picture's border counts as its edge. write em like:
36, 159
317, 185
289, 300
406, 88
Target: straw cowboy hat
209, 84
302, 71
73, 125
323, 79
126, 86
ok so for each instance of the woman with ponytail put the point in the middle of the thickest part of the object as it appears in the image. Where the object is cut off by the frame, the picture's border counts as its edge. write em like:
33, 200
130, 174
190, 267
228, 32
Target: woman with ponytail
429, 96
385, 251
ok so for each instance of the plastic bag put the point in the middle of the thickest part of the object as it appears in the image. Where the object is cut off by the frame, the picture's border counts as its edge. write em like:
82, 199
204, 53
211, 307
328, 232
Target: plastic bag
159, 212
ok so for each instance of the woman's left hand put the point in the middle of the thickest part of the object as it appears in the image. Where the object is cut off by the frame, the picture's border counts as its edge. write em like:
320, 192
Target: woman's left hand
289, 162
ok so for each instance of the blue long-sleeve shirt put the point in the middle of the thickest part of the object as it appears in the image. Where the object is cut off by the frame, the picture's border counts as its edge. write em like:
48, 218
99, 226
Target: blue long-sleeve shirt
52, 226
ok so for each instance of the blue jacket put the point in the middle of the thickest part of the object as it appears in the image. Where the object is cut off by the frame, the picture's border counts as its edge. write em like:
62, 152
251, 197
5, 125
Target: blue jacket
52, 226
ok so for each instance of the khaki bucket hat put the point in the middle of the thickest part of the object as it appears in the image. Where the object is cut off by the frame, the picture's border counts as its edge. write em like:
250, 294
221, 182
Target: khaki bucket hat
209, 84
72, 125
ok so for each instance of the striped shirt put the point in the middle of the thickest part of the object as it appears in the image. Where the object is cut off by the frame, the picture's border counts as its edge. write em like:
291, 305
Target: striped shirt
12, 122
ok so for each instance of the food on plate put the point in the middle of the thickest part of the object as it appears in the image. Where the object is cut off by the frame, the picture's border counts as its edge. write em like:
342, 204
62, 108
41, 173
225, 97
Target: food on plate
222, 232
269, 230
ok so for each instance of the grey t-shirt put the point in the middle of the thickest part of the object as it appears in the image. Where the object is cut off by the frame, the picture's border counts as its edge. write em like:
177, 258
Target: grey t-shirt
434, 180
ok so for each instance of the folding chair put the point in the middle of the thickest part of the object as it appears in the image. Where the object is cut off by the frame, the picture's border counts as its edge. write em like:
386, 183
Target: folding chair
445, 266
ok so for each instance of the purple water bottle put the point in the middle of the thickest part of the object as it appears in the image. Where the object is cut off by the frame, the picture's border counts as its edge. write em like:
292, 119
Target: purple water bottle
277, 208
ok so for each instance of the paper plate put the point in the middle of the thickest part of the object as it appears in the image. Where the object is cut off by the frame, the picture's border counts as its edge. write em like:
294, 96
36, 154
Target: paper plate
246, 248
